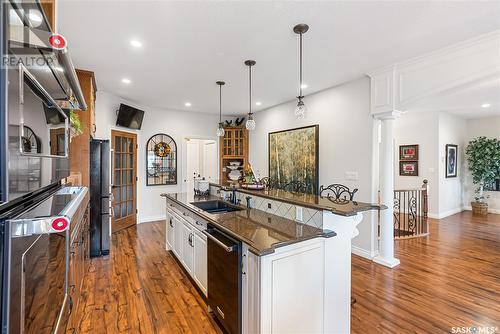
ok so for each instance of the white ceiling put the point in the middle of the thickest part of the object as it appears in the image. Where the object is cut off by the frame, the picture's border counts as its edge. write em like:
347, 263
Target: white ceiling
187, 46
467, 102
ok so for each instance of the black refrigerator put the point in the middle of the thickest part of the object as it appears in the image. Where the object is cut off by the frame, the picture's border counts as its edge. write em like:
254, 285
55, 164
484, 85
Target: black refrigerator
99, 197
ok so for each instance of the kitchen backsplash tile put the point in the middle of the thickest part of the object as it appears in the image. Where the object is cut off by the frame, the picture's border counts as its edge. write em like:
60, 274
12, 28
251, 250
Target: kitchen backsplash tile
310, 216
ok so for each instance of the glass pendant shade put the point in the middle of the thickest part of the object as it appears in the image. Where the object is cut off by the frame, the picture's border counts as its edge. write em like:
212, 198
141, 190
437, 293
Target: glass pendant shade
300, 110
220, 130
250, 124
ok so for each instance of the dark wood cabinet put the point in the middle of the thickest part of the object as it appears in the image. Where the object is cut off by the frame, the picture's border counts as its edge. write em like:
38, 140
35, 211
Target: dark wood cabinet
80, 145
233, 147
79, 260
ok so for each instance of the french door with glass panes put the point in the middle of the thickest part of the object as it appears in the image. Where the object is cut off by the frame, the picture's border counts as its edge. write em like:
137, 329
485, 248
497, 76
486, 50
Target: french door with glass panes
124, 178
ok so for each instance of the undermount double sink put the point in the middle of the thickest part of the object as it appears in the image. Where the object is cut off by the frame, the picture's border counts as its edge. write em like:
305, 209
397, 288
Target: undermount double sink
216, 206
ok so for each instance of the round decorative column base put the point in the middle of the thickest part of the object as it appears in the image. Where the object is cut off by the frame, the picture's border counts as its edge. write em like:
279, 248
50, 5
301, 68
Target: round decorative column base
391, 263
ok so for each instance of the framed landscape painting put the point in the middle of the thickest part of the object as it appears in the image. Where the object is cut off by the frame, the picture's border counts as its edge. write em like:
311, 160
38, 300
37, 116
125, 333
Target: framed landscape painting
451, 160
293, 157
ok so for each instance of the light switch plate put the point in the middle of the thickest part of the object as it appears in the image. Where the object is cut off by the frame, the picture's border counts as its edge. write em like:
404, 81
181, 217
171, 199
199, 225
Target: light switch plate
299, 213
351, 176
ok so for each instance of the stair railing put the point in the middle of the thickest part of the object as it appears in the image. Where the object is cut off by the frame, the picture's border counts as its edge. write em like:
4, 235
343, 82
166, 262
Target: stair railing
410, 212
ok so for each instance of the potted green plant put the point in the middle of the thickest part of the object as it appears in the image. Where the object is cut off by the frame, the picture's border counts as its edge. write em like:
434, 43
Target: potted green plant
75, 125
483, 158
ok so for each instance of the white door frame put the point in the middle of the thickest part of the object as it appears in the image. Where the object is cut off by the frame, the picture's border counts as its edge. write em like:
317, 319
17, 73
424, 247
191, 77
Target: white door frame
184, 156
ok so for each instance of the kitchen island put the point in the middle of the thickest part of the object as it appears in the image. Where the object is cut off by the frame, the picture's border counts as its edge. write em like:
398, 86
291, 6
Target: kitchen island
296, 274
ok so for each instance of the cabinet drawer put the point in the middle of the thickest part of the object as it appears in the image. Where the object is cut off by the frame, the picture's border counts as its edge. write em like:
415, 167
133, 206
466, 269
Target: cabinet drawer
186, 215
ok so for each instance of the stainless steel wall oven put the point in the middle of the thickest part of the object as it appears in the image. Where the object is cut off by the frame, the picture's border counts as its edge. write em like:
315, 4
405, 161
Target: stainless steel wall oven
37, 212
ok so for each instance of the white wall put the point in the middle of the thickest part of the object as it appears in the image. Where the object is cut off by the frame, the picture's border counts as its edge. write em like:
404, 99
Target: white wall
489, 127
177, 124
451, 131
346, 136
422, 129
432, 131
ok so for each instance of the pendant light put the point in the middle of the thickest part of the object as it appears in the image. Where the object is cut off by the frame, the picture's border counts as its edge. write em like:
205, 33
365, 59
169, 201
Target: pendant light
300, 110
220, 128
250, 124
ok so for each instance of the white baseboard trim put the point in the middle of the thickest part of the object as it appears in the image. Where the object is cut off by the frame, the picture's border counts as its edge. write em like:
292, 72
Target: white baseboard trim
433, 215
490, 210
362, 252
450, 212
150, 219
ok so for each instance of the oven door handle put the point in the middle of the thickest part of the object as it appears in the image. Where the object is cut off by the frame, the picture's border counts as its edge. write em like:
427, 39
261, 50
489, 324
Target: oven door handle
228, 249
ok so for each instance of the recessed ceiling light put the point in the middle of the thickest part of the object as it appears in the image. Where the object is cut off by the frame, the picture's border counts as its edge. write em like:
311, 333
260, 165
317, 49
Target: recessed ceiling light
258, 103
126, 81
135, 43
187, 104
303, 86
35, 17
485, 105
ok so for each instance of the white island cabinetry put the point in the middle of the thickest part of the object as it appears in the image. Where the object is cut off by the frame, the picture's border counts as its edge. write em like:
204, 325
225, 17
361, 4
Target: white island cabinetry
300, 287
304, 287
189, 245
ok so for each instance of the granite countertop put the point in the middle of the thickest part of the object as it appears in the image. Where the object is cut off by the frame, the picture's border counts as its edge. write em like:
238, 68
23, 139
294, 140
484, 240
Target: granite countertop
339, 207
261, 231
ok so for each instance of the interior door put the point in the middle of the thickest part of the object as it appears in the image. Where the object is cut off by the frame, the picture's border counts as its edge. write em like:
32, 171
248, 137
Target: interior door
210, 157
124, 178
193, 162
57, 141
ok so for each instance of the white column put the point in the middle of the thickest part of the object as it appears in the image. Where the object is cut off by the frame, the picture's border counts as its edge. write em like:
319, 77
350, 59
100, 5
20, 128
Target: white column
386, 243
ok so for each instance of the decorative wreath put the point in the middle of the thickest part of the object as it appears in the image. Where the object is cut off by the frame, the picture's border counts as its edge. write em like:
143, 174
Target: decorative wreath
162, 149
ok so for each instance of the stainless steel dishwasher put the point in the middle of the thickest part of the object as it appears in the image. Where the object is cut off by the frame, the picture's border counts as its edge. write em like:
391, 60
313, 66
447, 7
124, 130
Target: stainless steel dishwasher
224, 279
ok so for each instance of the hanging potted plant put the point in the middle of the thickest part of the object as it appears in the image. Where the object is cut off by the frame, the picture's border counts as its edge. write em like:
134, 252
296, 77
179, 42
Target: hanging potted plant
75, 125
483, 158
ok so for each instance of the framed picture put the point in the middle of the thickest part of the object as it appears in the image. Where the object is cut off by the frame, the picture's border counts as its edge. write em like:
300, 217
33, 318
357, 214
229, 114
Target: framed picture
408, 168
451, 160
293, 157
408, 152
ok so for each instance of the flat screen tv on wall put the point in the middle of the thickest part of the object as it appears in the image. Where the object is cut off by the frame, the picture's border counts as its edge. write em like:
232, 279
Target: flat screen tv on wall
129, 117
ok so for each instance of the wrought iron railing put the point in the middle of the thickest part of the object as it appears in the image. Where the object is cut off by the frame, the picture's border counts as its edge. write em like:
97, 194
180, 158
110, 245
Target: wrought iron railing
410, 212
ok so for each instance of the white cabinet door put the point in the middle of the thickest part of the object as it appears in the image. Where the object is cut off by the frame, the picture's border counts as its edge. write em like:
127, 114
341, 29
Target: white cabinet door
187, 246
177, 237
200, 260
170, 231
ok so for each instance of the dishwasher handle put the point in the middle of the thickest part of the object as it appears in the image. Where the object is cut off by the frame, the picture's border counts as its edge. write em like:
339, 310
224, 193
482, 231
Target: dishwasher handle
228, 249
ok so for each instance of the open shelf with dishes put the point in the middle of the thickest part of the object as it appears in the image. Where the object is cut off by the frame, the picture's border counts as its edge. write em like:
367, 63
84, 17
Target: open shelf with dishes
233, 153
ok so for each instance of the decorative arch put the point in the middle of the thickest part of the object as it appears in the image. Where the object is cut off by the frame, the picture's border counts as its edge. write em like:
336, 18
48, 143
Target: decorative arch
161, 160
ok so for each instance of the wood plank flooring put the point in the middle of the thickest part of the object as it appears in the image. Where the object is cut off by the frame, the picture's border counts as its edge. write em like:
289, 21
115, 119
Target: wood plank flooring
140, 288
450, 278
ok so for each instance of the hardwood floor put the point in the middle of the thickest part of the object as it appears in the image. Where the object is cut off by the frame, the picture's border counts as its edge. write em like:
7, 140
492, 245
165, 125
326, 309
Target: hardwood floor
140, 288
450, 278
